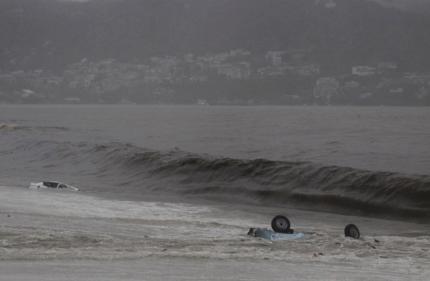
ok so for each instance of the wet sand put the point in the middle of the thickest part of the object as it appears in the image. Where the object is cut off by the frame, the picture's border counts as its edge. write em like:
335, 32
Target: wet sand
51, 235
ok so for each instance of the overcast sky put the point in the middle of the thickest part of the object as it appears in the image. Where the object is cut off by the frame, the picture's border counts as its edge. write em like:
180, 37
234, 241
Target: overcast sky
413, 4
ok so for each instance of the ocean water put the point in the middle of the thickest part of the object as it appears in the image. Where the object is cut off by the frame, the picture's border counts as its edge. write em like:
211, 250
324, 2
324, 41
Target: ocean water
371, 159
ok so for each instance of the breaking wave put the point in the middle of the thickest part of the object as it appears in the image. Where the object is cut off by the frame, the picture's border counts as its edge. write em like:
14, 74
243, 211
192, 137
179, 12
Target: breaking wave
137, 170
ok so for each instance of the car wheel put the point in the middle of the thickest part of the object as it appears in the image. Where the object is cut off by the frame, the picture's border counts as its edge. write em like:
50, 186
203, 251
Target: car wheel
281, 224
351, 230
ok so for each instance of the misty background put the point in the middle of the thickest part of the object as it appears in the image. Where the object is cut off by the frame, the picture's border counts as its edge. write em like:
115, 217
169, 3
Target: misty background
215, 52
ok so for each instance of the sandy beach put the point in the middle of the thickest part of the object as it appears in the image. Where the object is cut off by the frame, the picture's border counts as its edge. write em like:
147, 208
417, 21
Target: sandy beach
51, 235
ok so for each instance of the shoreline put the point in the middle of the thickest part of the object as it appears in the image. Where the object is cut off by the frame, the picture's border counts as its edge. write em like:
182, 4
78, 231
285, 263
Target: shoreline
43, 230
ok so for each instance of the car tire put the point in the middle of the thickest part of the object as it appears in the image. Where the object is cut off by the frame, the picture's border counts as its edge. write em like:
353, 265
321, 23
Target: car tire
351, 230
281, 224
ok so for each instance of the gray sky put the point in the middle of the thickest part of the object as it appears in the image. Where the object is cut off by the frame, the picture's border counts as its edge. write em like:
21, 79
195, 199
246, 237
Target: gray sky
404, 4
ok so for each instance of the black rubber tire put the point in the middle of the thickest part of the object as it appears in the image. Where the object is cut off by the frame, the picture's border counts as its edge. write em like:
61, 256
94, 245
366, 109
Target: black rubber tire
281, 224
351, 230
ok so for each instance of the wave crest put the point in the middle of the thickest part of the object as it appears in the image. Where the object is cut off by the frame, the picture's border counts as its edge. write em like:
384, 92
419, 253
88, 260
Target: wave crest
260, 180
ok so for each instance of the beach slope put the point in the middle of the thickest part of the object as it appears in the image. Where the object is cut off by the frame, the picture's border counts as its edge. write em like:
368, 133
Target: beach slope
52, 235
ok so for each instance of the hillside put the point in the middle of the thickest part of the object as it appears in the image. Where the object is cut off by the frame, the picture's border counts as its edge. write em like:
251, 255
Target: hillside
286, 44
417, 6
46, 33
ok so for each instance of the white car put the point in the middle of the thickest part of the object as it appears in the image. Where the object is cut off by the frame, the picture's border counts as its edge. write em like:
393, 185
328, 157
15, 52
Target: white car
52, 184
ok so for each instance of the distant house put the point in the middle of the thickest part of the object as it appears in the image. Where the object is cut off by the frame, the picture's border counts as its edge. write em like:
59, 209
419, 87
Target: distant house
351, 84
326, 88
307, 70
234, 71
26, 93
202, 102
275, 57
363, 70
417, 78
386, 67
366, 95
272, 70
72, 100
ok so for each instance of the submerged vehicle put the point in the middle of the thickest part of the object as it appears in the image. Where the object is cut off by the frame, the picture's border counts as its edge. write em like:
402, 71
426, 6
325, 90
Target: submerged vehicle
274, 236
52, 184
281, 230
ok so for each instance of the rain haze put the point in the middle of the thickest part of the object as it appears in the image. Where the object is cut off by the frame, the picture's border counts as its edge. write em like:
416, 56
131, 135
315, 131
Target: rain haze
214, 140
